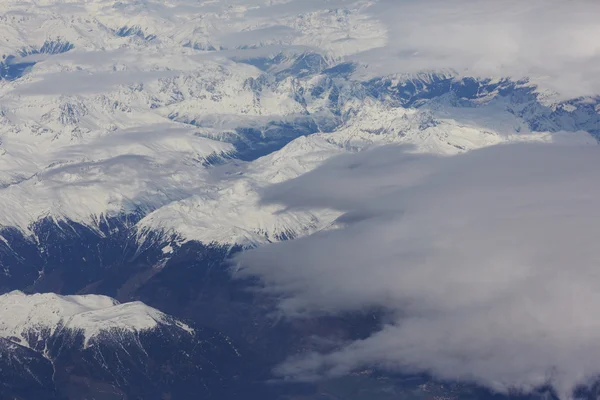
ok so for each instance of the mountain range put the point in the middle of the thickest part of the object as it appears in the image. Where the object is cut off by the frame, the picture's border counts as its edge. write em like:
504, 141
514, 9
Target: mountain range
136, 139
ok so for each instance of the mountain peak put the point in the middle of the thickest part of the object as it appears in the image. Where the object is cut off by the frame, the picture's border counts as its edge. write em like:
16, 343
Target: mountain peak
22, 315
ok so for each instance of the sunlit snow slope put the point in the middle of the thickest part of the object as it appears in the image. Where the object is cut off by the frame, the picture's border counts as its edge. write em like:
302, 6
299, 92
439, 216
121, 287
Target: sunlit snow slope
26, 319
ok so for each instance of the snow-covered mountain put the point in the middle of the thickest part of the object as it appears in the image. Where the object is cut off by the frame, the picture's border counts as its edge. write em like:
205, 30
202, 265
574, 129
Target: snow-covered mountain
55, 347
111, 108
136, 138
30, 320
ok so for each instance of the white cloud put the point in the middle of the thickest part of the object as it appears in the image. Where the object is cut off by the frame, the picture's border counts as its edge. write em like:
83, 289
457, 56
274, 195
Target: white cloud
487, 262
552, 41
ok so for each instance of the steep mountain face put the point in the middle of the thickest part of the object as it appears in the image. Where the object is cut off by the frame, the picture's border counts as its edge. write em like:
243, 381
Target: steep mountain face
24, 373
78, 346
190, 281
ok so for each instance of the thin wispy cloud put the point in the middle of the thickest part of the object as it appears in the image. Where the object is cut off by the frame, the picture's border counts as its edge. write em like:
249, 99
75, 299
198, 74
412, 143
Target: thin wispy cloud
487, 263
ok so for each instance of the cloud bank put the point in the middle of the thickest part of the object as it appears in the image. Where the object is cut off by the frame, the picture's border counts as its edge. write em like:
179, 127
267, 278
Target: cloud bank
551, 41
486, 261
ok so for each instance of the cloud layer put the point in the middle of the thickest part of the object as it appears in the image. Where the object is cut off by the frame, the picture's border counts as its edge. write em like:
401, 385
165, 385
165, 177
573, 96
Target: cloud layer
551, 41
487, 262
